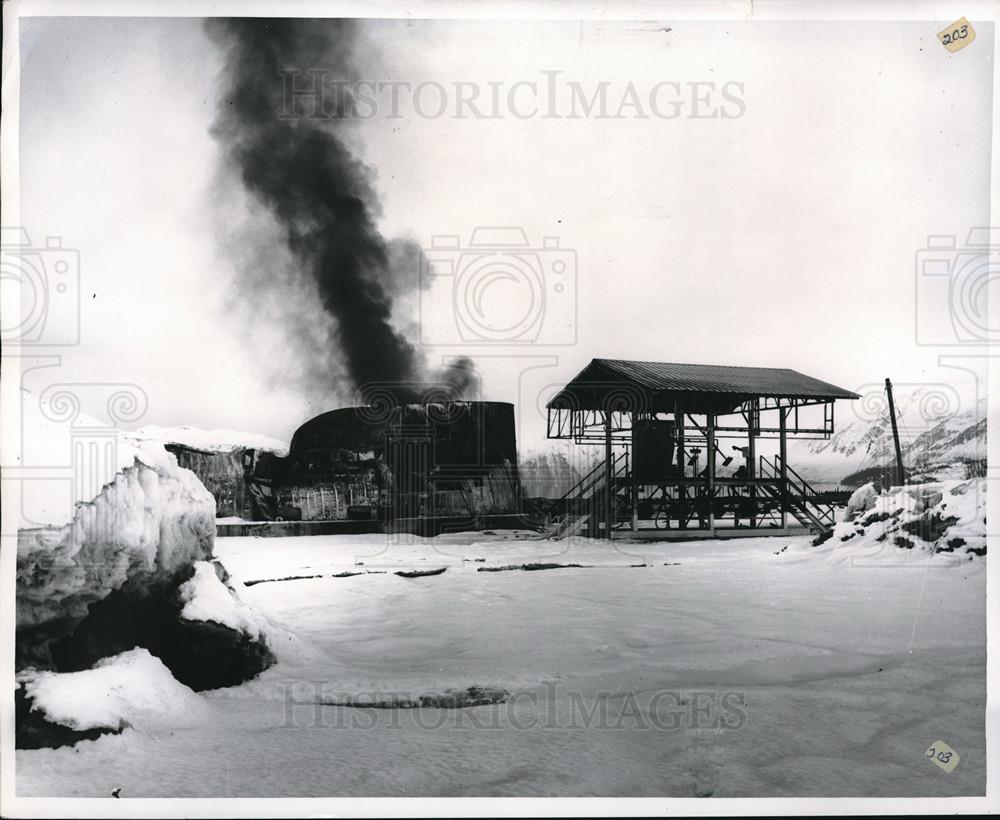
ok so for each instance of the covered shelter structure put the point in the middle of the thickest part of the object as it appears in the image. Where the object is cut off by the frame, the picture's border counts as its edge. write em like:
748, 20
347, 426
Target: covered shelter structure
662, 426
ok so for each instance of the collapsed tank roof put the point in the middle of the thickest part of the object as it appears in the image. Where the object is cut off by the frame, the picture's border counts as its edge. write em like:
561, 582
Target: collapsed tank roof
365, 426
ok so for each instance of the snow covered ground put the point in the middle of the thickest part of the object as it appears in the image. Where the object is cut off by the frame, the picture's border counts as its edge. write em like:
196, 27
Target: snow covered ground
752, 667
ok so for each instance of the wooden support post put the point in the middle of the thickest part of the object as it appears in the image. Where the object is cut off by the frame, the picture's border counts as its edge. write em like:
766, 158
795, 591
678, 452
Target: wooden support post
783, 433
710, 455
900, 471
609, 490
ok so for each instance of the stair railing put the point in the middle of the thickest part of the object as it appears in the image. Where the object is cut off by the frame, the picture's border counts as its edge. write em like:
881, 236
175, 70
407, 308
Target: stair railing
588, 486
800, 490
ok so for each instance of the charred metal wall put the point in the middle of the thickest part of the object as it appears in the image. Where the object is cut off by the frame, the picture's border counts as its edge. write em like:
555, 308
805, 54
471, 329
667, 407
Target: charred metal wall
223, 476
402, 461
240, 480
371, 463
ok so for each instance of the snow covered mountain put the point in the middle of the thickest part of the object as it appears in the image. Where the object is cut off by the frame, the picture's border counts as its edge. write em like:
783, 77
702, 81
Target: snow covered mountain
935, 427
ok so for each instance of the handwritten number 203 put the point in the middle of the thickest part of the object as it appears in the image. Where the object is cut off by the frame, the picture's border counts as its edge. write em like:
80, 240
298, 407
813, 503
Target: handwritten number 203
944, 757
958, 34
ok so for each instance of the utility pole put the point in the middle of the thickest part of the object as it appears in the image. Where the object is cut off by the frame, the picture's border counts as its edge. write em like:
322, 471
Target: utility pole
900, 472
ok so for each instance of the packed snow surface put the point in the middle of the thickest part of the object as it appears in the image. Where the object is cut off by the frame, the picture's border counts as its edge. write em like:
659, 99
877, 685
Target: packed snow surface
130, 689
749, 667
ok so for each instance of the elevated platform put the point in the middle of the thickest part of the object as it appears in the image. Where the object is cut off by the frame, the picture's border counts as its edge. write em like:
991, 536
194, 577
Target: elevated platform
657, 420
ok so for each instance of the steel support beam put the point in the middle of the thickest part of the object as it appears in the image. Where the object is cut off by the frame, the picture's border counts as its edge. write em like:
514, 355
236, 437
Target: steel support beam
752, 458
609, 490
710, 456
783, 449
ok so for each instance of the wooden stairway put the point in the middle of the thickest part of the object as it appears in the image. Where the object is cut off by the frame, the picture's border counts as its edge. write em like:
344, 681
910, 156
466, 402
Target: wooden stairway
583, 506
800, 497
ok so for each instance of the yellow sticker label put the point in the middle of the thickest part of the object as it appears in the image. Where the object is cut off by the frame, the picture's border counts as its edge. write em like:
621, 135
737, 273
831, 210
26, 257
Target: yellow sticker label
958, 35
942, 755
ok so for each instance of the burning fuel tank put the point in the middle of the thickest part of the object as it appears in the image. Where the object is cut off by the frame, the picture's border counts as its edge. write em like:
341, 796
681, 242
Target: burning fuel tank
392, 462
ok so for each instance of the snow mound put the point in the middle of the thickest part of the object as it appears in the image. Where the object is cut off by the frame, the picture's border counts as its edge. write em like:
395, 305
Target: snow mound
150, 520
130, 689
137, 516
936, 518
120, 572
861, 500
211, 595
208, 597
213, 441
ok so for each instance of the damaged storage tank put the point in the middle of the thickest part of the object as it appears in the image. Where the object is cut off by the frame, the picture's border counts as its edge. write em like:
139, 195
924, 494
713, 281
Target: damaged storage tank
396, 464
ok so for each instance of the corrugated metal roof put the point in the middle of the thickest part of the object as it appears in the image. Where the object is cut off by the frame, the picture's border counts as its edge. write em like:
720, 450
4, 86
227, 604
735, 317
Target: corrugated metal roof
708, 378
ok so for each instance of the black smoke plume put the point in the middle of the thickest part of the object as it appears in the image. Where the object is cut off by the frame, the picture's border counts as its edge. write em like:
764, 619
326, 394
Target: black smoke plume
302, 170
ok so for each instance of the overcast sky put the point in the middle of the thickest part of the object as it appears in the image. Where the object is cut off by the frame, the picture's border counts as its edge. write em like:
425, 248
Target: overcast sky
783, 234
